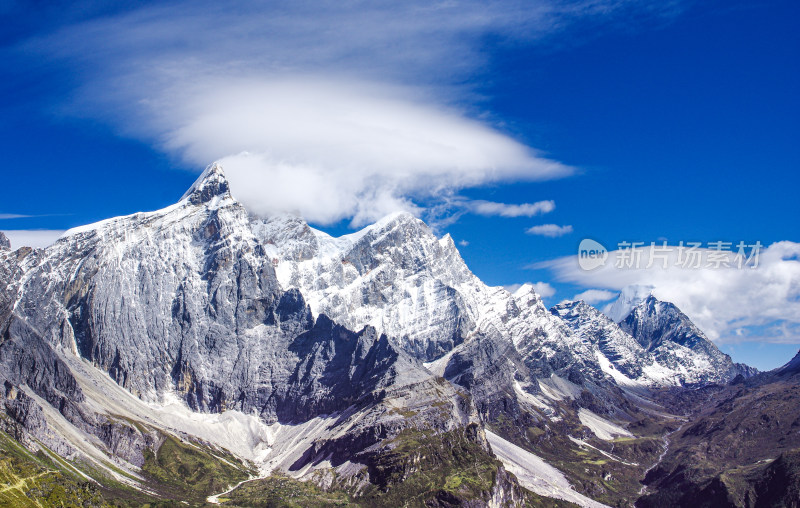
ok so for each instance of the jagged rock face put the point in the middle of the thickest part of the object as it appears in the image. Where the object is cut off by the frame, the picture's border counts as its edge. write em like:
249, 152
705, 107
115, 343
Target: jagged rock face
660, 362
185, 302
676, 343
544, 341
395, 276
277, 320
610, 341
194, 298
10, 274
186, 299
183, 289
26, 355
4, 243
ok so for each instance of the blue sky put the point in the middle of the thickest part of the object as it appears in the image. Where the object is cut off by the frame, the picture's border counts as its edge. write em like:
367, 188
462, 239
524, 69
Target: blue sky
641, 121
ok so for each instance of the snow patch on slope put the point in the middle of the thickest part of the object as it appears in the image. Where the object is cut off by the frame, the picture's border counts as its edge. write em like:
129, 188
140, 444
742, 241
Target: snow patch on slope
608, 367
558, 388
601, 427
535, 474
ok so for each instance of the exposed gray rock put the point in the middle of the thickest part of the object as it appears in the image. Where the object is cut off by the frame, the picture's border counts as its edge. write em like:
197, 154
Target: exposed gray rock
185, 301
793, 367
621, 350
4, 243
289, 326
25, 421
128, 442
676, 343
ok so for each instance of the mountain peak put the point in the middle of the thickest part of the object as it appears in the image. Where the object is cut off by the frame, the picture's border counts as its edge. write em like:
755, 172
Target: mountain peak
395, 219
662, 328
211, 184
4, 242
629, 297
572, 307
792, 367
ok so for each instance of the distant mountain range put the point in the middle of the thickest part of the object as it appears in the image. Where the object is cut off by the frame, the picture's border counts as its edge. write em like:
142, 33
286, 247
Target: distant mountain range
200, 354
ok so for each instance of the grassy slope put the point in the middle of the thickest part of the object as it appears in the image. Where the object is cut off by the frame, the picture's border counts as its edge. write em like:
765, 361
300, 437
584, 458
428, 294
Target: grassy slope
416, 469
188, 472
33, 480
179, 472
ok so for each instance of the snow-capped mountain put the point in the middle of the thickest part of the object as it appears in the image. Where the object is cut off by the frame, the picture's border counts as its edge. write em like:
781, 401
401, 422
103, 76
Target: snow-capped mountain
629, 297
184, 304
398, 277
678, 345
629, 361
309, 354
620, 356
395, 275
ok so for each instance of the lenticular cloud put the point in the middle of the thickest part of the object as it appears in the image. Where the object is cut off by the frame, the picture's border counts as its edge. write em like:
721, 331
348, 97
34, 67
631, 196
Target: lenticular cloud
332, 150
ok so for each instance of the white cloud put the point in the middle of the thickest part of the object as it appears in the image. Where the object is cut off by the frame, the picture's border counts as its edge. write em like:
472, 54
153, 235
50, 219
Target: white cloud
550, 230
4, 216
729, 304
350, 109
593, 296
463, 243
543, 289
343, 150
38, 238
490, 208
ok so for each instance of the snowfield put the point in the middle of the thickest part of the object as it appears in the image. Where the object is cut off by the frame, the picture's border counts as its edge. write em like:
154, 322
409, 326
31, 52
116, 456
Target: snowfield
601, 427
535, 474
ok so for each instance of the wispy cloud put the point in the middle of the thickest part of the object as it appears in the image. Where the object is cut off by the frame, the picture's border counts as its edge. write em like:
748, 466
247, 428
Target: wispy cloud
490, 208
9, 216
593, 296
730, 304
349, 109
549, 230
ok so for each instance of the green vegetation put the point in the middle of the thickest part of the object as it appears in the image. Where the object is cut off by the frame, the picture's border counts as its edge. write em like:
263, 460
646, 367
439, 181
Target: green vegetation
28, 480
188, 472
416, 469
422, 466
179, 472
283, 492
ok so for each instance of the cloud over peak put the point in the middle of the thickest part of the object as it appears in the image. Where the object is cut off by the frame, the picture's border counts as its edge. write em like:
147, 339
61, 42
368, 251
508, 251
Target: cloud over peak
348, 109
728, 303
333, 149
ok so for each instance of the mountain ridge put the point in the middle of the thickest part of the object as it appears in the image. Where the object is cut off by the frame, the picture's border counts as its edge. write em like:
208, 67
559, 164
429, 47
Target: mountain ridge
325, 354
